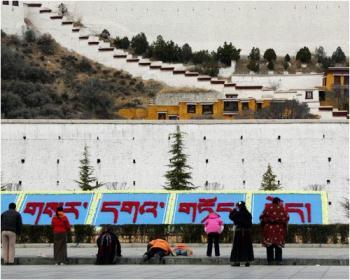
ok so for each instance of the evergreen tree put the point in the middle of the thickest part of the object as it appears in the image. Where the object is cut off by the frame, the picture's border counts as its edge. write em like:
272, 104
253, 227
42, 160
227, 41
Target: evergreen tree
339, 56
86, 182
304, 55
269, 181
178, 178
270, 55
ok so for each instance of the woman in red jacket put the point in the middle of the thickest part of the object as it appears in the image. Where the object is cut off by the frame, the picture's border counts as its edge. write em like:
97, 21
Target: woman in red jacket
60, 227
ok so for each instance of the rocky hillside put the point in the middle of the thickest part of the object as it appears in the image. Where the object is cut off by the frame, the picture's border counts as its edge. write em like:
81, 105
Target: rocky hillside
40, 79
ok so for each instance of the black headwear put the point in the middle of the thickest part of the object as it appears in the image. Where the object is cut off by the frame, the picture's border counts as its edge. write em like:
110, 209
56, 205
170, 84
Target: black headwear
276, 200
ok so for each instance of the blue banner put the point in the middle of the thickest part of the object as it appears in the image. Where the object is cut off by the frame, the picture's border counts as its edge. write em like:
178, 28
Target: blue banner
302, 208
192, 208
131, 208
38, 209
6, 199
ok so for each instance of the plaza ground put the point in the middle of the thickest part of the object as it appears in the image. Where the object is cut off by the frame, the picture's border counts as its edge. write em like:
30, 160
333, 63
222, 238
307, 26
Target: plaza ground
173, 271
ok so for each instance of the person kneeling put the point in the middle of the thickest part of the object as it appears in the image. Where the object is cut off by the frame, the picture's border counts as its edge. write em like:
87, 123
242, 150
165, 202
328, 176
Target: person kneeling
157, 248
108, 246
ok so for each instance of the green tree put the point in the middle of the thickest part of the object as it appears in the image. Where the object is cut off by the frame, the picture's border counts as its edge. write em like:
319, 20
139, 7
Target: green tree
304, 55
29, 36
270, 55
186, 53
327, 62
87, 181
270, 65
178, 177
139, 44
201, 57
254, 54
253, 65
320, 54
122, 43
104, 35
287, 58
46, 44
338, 56
285, 65
227, 53
269, 181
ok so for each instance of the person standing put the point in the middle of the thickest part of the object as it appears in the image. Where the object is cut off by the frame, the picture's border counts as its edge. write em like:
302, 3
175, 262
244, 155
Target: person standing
108, 246
11, 224
60, 227
274, 221
242, 248
213, 226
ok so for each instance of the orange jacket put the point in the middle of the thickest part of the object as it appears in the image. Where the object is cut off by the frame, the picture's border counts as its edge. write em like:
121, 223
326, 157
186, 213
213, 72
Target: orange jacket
162, 244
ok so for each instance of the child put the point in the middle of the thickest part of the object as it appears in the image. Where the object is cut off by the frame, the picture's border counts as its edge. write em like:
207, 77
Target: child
213, 226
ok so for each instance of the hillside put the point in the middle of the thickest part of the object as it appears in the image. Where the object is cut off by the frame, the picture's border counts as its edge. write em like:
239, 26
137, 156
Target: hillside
40, 79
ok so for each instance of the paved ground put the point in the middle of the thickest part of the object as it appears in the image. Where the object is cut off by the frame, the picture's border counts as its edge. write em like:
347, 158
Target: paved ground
137, 250
174, 271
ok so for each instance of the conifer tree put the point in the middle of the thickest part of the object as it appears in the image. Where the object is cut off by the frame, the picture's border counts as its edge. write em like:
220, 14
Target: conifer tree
269, 181
86, 182
178, 177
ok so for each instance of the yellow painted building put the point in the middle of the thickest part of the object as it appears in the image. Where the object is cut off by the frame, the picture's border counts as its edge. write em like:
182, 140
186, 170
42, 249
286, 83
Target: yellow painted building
336, 76
228, 108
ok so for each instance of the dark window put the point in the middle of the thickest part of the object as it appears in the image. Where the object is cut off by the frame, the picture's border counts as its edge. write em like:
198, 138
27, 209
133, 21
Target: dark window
231, 95
191, 108
329, 203
279, 160
57, 183
97, 138
20, 183
308, 94
346, 80
58, 161
337, 80
173, 117
245, 106
207, 160
5, 2
329, 159
258, 106
204, 138
328, 181
134, 161
23, 160
279, 137
59, 137
243, 182
98, 160
230, 106
134, 183
241, 137
321, 96
14, 3
207, 109
161, 116
242, 160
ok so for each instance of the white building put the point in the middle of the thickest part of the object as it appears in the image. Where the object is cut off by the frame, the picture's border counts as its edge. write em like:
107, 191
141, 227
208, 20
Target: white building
44, 154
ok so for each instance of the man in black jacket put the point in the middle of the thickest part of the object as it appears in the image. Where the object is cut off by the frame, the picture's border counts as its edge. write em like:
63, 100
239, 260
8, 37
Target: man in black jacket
11, 223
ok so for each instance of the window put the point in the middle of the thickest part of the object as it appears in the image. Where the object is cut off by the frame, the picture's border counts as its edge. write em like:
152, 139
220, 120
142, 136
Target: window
258, 106
204, 138
230, 106
59, 137
321, 96
173, 117
308, 94
134, 161
191, 108
58, 161
5, 2
328, 182
245, 106
337, 80
279, 160
329, 159
98, 161
23, 160
207, 161
346, 80
134, 183
57, 183
161, 116
15, 3
207, 109
231, 95
24, 137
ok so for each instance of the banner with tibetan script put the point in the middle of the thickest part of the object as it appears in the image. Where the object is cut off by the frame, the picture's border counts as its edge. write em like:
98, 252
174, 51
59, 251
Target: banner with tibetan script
6, 199
38, 209
131, 208
302, 208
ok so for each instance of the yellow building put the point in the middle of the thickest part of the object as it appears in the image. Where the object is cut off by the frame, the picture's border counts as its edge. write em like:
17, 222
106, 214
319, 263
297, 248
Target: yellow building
199, 105
336, 76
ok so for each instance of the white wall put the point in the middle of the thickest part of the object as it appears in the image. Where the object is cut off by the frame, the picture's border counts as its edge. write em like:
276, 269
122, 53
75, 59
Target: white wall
12, 18
304, 148
281, 82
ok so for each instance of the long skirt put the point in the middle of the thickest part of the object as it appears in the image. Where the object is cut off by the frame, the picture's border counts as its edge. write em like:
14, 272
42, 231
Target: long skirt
242, 248
60, 247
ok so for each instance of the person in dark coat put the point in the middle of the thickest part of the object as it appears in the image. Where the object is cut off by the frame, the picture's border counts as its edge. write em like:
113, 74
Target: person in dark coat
108, 246
274, 220
11, 224
242, 248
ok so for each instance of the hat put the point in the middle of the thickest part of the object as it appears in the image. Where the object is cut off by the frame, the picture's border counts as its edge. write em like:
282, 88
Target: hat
276, 200
241, 203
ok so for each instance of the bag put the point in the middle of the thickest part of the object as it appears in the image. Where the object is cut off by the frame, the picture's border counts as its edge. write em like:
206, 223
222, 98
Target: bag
182, 250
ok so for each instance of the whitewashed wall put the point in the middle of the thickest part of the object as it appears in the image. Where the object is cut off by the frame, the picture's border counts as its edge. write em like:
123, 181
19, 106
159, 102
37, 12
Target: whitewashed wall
12, 18
304, 149
281, 82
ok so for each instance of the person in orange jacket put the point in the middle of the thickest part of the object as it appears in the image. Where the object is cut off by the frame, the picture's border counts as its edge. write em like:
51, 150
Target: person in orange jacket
157, 248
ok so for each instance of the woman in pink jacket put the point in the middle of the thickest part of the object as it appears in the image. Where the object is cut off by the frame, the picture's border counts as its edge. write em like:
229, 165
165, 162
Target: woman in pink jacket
213, 226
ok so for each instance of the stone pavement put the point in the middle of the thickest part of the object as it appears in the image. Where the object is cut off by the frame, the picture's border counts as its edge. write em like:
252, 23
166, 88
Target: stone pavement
173, 271
304, 254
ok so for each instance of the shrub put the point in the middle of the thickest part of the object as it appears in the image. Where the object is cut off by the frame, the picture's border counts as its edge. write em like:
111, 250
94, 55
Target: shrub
270, 55
285, 65
287, 58
85, 66
62, 9
320, 54
327, 62
46, 44
227, 53
139, 44
253, 65
186, 53
104, 35
254, 54
338, 56
201, 57
304, 55
29, 36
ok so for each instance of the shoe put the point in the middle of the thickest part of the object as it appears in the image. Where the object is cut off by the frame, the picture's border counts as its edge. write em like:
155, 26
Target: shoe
208, 256
145, 257
217, 255
235, 264
278, 263
247, 264
156, 258
269, 263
